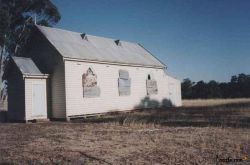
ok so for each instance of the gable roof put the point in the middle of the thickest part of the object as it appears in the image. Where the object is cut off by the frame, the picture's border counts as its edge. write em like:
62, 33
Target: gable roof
75, 45
26, 66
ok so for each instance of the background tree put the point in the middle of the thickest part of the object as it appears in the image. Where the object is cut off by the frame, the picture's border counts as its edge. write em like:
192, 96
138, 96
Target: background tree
213, 89
17, 16
238, 87
225, 90
200, 90
16, 19
186, 88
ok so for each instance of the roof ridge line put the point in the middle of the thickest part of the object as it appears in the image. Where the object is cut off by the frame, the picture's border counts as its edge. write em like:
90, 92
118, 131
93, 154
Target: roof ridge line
85, 34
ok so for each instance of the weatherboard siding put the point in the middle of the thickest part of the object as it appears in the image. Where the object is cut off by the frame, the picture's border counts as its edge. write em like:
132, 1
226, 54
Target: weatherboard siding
174, 86
28, 97
58, 92
16, 102
107, 80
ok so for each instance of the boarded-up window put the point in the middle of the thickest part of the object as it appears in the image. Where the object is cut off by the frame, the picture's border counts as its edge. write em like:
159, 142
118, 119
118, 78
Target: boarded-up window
124, 83
151, 86
89, 83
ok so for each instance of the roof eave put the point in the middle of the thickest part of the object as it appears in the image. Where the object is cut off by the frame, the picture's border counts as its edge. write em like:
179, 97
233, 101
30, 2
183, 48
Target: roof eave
112, 63
44, 76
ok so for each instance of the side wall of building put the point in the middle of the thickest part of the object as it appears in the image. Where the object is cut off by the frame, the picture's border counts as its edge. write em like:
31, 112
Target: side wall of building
107, 80
16, 95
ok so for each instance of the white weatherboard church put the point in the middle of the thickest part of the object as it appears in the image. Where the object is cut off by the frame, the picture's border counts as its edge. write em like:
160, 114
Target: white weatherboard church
64, 74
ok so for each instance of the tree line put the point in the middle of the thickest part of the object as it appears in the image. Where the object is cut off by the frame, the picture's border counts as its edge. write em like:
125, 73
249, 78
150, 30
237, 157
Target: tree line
238, 87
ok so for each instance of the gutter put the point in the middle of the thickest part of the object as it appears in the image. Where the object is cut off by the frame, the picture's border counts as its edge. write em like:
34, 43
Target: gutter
35, 76
112, 63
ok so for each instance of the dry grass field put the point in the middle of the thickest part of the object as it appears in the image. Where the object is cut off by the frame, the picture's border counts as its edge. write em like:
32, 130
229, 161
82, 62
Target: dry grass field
200, 132
214, 102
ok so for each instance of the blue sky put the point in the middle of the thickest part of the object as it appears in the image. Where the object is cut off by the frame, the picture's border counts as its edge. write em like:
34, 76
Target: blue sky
197, 39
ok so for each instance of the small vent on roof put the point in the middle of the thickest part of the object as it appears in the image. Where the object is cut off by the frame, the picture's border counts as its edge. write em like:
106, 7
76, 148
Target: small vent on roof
118, 42
84, 36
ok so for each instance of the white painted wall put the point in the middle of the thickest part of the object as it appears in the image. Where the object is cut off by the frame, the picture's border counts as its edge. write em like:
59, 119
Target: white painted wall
174, 90
28, 97
58, 91
107, 78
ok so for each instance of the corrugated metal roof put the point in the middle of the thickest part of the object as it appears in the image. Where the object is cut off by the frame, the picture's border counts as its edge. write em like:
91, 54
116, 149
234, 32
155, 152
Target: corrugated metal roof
26, 66
93, 48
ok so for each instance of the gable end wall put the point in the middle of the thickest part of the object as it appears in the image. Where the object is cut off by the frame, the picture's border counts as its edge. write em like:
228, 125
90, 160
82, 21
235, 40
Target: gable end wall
49, 61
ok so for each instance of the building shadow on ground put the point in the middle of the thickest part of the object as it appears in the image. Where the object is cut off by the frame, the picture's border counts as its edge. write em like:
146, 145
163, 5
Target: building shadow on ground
146, 102
150, 111
163, 113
